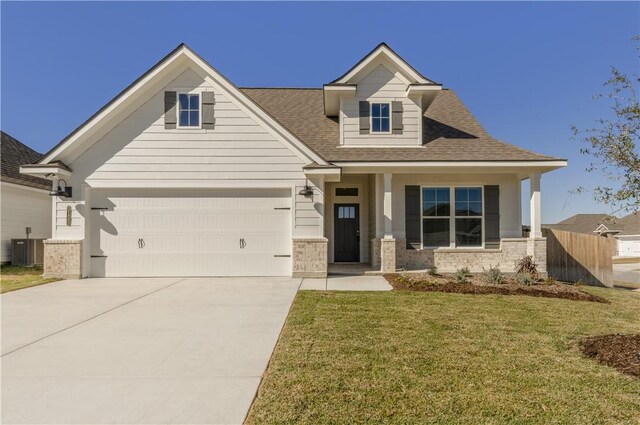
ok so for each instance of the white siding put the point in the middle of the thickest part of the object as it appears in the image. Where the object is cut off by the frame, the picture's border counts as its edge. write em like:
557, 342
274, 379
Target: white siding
510, 217
239, 152
381, 85
23, 208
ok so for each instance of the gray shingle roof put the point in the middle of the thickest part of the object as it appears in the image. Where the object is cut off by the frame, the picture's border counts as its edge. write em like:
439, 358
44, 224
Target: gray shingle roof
14, 154
585, 223
629, 224
450, 131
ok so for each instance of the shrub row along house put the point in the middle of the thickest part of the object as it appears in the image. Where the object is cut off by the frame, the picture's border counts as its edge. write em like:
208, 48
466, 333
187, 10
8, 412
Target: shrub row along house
185, 174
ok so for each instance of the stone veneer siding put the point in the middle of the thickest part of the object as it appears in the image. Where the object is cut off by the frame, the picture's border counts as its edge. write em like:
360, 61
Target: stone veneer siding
63, 259
388, 255
449, 260
310, 257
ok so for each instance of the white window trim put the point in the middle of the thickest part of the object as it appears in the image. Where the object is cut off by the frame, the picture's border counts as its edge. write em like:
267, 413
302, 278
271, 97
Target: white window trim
371, 118
189, 127
452, 217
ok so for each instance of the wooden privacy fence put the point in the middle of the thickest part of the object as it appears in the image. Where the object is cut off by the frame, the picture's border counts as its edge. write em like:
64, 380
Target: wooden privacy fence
574, 257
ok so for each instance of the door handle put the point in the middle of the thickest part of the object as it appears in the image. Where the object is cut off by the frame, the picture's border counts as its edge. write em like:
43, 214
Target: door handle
141, 243
242, 243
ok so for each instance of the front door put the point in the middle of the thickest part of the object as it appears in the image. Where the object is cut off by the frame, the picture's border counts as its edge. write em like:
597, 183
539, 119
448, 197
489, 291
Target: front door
347, 233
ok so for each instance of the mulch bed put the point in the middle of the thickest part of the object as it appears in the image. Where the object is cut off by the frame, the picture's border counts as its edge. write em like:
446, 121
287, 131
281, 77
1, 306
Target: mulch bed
618, 351
477, 285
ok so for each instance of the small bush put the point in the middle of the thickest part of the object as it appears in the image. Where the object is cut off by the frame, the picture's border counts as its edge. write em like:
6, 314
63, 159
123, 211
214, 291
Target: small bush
526, 265
549, 281
462, 275
433, 271
525, 279
494, 276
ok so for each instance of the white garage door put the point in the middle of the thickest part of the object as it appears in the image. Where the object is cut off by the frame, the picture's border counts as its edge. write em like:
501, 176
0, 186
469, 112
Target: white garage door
629, 247
190, 233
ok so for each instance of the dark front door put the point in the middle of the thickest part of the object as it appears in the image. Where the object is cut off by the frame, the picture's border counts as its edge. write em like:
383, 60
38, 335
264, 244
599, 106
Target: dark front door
347, 233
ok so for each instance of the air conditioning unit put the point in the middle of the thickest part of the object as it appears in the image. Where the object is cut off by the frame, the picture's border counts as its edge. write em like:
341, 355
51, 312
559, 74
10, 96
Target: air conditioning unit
27, 252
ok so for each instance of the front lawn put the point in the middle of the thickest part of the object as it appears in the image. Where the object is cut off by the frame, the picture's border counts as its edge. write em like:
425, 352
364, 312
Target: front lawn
430, 357
20, 277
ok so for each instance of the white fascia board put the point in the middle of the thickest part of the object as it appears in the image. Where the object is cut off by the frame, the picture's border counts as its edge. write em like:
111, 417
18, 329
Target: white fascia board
43, 170
420, 90
332, 95
254, 109
393, 57
328, 174
115, 105
140, 87
453, 164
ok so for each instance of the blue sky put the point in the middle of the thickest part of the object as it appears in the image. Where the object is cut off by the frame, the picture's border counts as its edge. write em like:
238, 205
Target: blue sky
528, 71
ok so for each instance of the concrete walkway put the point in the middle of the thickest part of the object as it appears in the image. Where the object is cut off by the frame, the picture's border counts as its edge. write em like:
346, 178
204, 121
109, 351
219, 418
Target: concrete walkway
347, 283
97, 351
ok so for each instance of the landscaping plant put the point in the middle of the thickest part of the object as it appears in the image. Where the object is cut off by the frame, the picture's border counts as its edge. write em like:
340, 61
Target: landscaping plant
462, 275
494, 276
525, 279
433, 271
526, 265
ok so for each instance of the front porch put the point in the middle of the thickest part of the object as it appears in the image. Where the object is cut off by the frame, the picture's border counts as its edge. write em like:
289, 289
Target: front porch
371, 222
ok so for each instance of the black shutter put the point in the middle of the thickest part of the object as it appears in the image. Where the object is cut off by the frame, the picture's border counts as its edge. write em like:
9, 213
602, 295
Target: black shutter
492, 217
208, 106
412, 216
396, 117
364, 117
170, 114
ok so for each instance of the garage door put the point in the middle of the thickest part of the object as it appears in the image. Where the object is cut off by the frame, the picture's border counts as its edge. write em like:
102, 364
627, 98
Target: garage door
629, 247
190, 233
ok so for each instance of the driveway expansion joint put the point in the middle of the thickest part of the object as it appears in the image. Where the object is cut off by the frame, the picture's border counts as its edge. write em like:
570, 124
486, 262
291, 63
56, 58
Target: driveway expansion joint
91, 318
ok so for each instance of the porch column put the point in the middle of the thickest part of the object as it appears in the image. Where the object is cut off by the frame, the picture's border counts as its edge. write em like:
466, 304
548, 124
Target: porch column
534, 204
388, 224
379, 202
387, 243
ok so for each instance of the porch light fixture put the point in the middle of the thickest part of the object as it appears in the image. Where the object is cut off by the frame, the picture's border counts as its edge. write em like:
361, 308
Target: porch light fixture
65, 193
306, 191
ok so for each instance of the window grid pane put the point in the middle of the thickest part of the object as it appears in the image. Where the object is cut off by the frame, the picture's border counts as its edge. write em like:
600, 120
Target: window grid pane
189, 110
468, 232
436, 202
435, 232
380, 117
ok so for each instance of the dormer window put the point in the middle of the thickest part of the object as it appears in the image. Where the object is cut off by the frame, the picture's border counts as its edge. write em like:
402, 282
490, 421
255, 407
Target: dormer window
380, 118
189, 110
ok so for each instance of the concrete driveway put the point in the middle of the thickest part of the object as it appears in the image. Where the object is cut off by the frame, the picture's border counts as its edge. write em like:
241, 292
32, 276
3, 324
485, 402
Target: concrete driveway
629, 273
95, 351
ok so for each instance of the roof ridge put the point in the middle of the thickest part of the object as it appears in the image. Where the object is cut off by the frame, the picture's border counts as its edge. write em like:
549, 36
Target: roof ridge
280, 88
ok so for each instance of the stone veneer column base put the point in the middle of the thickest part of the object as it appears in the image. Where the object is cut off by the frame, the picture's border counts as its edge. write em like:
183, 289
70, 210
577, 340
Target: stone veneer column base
310, 257
388, 255
63, 259
537, 249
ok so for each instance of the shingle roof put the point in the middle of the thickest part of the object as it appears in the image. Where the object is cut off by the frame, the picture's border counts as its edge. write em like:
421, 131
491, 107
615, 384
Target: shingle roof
629, 224
585, 223
450, 131
13, 154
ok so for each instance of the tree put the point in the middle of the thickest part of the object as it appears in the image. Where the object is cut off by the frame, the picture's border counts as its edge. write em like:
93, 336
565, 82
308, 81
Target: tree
613, 144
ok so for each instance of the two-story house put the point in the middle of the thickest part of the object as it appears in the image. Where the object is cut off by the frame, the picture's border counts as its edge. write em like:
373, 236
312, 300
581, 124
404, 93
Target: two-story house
185, 174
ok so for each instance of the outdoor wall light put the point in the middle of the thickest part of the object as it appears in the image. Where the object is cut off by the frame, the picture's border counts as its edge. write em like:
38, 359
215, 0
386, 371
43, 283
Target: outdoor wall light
306, 191
65, 193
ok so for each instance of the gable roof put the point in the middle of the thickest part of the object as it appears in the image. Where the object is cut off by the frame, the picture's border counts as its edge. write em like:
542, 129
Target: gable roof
585, 223
182, 50
450, 131
383, 49
13, 154
629, 225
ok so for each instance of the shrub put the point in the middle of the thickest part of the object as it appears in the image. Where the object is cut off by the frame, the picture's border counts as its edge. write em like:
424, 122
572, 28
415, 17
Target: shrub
527, 266
549, 281
462, 275
525, 279
494, 276
433, 271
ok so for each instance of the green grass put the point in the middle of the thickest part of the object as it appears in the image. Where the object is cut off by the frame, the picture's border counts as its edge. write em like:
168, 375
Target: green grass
20, 277
417, 357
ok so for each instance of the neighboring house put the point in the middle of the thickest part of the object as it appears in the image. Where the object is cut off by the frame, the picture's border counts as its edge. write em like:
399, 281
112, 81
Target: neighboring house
25, 199
185, 174
625, 230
